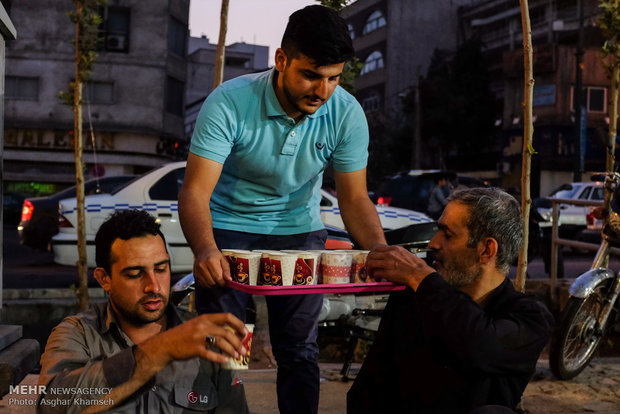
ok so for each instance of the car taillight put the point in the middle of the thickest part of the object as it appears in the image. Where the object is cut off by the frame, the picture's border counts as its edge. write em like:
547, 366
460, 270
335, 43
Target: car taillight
27, 210
63, 222
590, 219
384, 201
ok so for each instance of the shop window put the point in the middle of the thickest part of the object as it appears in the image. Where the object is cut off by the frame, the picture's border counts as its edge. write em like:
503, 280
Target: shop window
373, 62
374, 22
21, 88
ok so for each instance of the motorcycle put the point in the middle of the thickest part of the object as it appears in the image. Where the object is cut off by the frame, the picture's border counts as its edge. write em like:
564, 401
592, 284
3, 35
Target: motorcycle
592, 308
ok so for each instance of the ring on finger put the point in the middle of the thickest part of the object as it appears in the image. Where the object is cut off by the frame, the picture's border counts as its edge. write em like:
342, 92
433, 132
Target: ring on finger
210, 340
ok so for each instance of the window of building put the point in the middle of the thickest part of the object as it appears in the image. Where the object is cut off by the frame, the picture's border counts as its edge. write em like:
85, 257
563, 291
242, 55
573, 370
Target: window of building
238, 62
374, 22
177, 33
173, 100
116, 29
21, 87
99, 92
596, 99
373, 62
372, 103
351, 30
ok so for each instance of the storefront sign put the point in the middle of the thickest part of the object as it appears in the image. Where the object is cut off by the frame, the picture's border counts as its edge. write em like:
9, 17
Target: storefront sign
53, 139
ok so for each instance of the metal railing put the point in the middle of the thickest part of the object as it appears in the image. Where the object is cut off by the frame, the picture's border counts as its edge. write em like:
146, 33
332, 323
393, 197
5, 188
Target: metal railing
557, 242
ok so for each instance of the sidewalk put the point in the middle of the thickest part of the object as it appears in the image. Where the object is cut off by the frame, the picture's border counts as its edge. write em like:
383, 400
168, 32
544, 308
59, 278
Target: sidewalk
596, 390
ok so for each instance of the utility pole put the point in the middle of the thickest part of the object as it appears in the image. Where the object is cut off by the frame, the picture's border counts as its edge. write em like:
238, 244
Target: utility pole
581, 112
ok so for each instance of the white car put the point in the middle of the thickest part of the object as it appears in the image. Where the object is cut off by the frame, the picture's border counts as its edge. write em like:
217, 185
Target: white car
574, 217
157, 192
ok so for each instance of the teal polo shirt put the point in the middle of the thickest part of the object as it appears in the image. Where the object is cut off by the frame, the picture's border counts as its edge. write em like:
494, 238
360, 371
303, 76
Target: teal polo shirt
272, 167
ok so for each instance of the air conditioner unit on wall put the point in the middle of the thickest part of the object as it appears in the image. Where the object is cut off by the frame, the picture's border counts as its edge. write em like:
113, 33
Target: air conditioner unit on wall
116, 42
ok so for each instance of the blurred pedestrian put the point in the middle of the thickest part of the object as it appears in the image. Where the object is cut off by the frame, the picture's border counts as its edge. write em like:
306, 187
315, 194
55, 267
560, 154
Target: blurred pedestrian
439, 198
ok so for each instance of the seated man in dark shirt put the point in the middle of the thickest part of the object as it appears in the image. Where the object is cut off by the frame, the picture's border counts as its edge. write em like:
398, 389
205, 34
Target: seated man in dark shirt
134, 353
459, 338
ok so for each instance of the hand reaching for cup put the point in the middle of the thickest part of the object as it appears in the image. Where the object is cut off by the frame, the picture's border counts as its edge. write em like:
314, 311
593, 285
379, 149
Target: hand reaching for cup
397, 265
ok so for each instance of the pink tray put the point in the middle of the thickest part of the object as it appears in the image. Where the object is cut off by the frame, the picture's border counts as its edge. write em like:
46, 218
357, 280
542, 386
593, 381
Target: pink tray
313, 289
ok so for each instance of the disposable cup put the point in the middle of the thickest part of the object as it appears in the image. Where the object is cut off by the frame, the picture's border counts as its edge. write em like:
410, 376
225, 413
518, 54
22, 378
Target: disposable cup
336, 267
244, 265
282, 268
306, 267
244, 361
358, 266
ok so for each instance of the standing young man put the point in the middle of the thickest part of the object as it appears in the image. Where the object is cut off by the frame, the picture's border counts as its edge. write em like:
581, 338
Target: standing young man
253, 176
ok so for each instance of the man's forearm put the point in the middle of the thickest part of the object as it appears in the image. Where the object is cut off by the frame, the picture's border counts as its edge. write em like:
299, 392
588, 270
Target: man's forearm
195, 218
362, 222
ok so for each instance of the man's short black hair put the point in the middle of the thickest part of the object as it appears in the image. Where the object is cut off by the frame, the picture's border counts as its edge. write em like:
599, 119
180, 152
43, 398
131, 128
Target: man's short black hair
319, 33
124, 225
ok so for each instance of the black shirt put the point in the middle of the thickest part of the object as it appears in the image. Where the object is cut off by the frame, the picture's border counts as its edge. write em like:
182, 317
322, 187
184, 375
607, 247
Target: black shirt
438, 351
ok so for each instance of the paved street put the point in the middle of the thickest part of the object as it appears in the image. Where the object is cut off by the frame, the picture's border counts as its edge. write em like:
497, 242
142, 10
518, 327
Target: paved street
596, 390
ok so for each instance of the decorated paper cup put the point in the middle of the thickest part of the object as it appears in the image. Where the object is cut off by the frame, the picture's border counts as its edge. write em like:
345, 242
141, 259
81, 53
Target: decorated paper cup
282, 267
244, 361
336, 267
358, 266
306, 266
244, 265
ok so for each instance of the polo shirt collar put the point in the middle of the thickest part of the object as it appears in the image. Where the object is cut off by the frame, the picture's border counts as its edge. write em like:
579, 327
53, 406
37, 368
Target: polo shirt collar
273, 105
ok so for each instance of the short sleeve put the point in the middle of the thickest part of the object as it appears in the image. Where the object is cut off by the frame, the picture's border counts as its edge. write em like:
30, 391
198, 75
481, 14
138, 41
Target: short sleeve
213, 135
351, 153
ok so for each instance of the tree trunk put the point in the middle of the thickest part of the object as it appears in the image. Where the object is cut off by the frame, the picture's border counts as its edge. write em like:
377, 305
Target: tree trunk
221, 46
82, 291
528, 130
612, 109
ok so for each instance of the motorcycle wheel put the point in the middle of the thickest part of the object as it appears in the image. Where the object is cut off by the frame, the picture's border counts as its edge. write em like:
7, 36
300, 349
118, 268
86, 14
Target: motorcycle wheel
578, 333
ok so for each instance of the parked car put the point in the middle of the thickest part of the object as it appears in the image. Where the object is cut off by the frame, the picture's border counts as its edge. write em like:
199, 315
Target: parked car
12, 207
412, 189
39, 215
157, 192
572, 219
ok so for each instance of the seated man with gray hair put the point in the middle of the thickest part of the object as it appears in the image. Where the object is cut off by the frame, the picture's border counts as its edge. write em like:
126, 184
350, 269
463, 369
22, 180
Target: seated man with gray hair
460, 338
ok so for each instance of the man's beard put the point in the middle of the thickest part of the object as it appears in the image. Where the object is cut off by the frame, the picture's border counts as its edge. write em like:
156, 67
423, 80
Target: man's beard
135, 315
293, 99
461, 272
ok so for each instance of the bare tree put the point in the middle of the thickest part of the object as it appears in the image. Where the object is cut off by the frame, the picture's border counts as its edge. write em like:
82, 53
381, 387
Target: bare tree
221, 46
609, 22
87, 20
528, 150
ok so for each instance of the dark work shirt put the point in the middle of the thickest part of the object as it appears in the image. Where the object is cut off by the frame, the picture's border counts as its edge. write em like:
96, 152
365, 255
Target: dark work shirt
438, 351
88, 354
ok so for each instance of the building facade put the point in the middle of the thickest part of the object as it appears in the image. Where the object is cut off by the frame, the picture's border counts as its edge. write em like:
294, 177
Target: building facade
555, 37
240, 58
395, 40
134, 103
